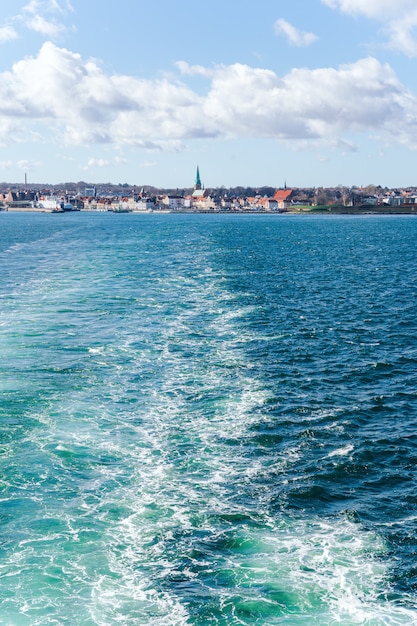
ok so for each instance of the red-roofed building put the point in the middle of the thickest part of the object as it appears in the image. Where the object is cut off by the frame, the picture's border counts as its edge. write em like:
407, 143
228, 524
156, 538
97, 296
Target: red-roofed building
267, 204
283, 198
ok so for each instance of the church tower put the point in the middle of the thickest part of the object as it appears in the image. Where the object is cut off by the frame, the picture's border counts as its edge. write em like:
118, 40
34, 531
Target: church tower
197, 184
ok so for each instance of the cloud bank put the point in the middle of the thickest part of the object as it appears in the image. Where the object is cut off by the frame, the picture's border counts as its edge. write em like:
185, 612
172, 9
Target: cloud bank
57, 92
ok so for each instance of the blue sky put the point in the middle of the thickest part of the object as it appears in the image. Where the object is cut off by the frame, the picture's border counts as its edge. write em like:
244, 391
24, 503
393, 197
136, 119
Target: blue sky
307, 92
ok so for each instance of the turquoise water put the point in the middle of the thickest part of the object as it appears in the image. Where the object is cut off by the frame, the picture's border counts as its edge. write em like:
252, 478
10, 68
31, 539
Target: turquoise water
208, 420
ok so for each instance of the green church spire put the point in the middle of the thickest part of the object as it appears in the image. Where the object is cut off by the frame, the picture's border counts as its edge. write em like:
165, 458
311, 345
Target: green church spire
197, 179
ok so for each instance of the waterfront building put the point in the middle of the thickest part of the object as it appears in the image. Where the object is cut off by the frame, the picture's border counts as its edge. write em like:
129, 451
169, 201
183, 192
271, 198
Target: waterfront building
144, 204
173, 202
283, 198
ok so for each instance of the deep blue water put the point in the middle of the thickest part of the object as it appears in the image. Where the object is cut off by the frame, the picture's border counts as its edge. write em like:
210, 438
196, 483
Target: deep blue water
208, 420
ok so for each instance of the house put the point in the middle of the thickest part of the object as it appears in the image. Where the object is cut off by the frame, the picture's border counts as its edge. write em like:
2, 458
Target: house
252, 202
100, 204
267, 204
172, 202
203, 202
144, 204
226, 204
283, 198
18, 199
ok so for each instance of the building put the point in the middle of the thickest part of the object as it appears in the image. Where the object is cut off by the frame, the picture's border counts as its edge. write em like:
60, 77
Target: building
198, 192
283, 198
172, 203
200, 198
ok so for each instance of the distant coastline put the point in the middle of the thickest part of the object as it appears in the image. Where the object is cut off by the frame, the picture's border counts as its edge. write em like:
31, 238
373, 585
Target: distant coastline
124, 198
300, 211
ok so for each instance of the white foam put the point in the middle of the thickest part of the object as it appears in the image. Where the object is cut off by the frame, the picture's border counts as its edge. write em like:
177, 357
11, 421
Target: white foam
129, 480
341, 451
334, 570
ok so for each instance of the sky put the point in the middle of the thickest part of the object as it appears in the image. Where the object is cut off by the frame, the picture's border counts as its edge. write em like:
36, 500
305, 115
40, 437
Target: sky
303, 93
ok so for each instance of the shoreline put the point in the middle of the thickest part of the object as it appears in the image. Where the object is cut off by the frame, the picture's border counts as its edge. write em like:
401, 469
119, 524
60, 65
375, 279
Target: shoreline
312, 211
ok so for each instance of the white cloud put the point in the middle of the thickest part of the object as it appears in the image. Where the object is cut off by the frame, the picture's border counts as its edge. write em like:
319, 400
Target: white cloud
403, 34
36, 7
321, 104
92, 162
381, 9
193, 70
12, 130
57, 92
7, 33
45, 27
294, 36
24, 164
98, 162
398, 19
41, 16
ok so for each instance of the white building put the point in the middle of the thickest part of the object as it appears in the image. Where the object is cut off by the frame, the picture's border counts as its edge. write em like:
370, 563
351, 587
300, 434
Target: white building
173, 202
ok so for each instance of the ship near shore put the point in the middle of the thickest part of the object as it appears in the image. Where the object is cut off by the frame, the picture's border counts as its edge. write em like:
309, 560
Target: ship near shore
50, 203
54, 204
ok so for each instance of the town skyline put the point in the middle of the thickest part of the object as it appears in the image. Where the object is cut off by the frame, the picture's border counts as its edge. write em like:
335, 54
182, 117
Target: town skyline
198, 184
139, 198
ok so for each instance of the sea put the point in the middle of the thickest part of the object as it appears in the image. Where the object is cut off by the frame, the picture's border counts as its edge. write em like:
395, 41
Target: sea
208, 419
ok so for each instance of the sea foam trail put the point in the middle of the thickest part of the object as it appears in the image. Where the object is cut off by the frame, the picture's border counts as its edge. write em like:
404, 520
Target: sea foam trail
135, 486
